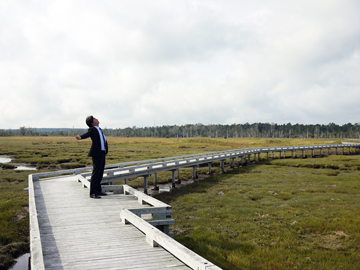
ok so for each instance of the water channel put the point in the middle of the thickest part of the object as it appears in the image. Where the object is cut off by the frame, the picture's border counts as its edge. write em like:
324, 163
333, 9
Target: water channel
22, 263
6, 159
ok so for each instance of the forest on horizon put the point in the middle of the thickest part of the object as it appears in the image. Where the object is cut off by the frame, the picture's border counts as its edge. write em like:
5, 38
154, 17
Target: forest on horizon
261, 130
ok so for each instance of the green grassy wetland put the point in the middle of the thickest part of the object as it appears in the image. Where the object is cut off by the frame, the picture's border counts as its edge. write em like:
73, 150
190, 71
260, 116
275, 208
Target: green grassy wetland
301, 213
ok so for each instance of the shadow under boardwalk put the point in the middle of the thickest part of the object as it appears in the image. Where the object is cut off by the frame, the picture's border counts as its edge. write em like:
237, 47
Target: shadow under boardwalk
82, 233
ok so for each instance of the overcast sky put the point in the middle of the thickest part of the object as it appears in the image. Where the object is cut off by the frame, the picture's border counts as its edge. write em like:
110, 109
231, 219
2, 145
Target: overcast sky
140, 62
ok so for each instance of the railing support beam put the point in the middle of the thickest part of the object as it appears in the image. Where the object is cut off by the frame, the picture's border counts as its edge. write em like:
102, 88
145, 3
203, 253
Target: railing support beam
155, 182
173, 178
146, 184
222, 165
195, 173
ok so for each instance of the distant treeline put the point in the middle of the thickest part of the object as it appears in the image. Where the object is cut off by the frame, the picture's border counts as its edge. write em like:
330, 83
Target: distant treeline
261, 130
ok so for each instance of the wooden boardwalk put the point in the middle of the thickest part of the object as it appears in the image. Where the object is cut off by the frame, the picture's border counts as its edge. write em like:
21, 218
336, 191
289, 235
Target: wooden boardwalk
68, 230
82, 233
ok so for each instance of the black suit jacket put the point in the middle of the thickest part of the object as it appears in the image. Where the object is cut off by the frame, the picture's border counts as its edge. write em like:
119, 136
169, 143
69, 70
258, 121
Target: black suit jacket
95, 149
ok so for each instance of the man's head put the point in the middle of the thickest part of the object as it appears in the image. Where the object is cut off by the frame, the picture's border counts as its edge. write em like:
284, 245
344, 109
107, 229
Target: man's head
91, 121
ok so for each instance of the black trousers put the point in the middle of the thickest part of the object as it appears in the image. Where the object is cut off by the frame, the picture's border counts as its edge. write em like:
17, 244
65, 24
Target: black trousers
97, 173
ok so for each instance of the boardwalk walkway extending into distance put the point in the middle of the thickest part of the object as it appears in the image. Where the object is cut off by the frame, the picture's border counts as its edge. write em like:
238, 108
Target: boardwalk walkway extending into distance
126, 229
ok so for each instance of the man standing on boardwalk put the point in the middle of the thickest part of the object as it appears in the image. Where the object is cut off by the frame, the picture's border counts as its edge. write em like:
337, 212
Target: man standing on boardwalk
98, 150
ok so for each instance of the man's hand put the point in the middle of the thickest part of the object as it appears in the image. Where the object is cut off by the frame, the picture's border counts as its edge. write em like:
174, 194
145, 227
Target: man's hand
77, 137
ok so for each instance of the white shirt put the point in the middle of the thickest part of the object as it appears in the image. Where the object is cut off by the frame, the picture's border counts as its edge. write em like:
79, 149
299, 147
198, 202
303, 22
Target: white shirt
102, 139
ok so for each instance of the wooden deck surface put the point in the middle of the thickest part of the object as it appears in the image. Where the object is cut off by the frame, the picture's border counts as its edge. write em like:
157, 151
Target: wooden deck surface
82, 233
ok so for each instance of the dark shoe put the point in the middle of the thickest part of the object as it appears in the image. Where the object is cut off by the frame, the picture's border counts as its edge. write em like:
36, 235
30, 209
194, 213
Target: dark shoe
95, 196
103, 194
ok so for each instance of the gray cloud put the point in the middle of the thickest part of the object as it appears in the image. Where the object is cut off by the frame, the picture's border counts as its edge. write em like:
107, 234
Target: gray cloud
136, 62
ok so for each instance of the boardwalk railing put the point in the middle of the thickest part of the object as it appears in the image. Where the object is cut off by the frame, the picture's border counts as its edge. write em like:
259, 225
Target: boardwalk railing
37, 260
158, 238
159, 215
147, 168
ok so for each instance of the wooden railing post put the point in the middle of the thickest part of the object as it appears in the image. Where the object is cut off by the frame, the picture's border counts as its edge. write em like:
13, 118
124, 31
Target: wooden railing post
145, 184
155, 182
173, 178
194, 173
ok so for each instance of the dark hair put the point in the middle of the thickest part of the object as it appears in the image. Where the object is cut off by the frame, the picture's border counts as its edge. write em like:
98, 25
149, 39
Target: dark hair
89, 121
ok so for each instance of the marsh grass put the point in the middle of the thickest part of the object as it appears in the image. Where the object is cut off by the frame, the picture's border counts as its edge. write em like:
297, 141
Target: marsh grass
274, 215
283, 213
14, 222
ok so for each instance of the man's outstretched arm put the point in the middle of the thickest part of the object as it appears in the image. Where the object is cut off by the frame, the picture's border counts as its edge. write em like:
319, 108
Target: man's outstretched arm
85, 135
